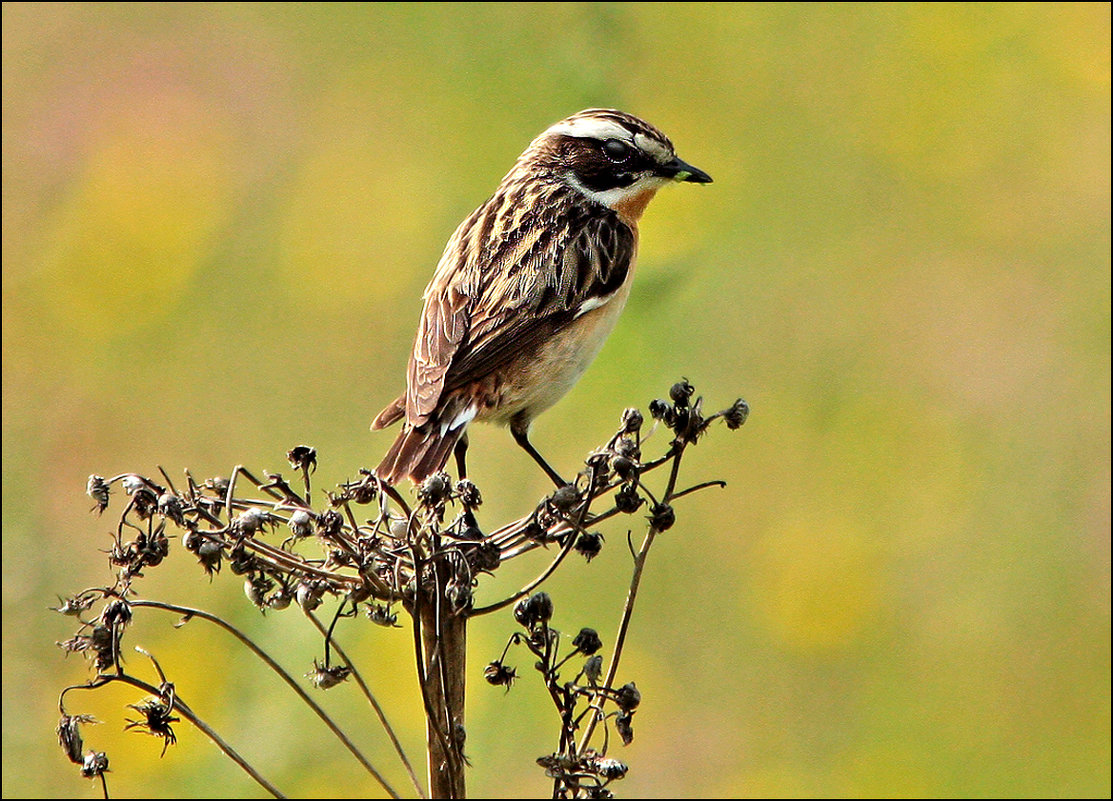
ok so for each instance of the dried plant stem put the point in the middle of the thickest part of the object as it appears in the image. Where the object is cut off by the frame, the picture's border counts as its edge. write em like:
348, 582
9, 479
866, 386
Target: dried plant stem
431, 567
445, 641
374, 705
286, 677
534, 584
189, 715
631, 598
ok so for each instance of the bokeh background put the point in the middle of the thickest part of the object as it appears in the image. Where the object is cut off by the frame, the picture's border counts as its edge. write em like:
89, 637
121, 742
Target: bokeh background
217, 223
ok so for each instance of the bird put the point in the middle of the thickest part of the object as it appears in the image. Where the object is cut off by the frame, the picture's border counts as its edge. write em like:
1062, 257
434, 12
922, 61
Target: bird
528, 288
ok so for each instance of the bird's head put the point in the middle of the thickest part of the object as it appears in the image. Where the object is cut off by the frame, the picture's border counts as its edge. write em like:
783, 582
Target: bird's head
610, 157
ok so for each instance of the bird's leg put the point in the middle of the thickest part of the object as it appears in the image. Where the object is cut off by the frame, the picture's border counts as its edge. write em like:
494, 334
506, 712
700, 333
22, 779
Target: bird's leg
460, 451
521, 436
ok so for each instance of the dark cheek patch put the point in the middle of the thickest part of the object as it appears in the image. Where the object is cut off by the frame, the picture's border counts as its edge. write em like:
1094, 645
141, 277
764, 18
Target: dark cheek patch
598, 173
602, 181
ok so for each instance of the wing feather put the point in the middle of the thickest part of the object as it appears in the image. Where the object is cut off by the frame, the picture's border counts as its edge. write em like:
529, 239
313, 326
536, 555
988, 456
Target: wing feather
509, 280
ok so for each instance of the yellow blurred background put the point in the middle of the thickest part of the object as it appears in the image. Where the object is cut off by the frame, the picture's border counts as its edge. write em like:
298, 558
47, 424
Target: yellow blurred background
217, 223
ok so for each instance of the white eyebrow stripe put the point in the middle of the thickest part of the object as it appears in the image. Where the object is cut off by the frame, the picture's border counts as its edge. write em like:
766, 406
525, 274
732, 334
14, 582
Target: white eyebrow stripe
591, 128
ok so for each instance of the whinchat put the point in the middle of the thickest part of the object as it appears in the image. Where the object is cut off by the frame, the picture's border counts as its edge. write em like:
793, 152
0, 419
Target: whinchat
528, 288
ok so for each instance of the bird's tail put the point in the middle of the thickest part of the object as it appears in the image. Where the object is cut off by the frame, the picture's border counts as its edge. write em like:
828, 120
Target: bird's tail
417, 453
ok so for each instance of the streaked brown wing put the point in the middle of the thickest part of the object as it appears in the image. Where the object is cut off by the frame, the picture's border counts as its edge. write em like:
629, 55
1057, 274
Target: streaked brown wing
444, 323
514, 273
542, 292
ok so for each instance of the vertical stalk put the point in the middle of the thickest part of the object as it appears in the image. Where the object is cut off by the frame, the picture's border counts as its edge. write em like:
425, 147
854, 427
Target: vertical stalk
445, 639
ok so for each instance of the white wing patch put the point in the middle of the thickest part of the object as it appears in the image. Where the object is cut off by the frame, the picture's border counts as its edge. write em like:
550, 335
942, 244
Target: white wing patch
593, 303
462, 419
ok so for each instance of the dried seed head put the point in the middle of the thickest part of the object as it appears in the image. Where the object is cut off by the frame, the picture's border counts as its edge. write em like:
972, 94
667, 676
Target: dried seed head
153, 548
627, 500
625, 446
593, 668
628, 697
309, 594
74, 606
485, 556
171, 507
156, 720
382, 615
625, 467
242, 562
534, 610
610, 769
95, 764
218, 484
565, 498
659, 409
208, 554
587, 641
736, 415
624, 723
681, 392
522, 613
434, 490
100, 638
631, 421
302, 457
191, 541
662, 516
325, 678
358, 594
301, 523
589, 544
280, 598
117, 611
249, 522
366, 491
97, 489
468, 494
69, 735
499, 675
329, 523
256, 588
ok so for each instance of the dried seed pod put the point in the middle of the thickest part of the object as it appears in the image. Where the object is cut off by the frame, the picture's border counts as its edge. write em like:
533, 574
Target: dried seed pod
97, 489
631, 421
662, 516
681, 392
301, 523
589, 544
587, 641
628, 697
499, 675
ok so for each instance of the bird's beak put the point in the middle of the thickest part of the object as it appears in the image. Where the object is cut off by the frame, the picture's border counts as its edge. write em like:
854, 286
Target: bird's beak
679, 170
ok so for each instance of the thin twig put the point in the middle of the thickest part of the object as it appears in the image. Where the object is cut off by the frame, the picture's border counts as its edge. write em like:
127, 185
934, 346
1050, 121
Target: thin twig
631, 597
187, 713
286, 677
366, 690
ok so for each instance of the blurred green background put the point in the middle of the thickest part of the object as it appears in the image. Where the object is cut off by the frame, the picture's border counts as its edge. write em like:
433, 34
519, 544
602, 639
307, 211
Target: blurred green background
217, 224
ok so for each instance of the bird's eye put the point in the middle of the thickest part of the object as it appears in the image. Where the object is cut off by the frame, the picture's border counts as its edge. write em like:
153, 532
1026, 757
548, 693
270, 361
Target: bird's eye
616, 150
